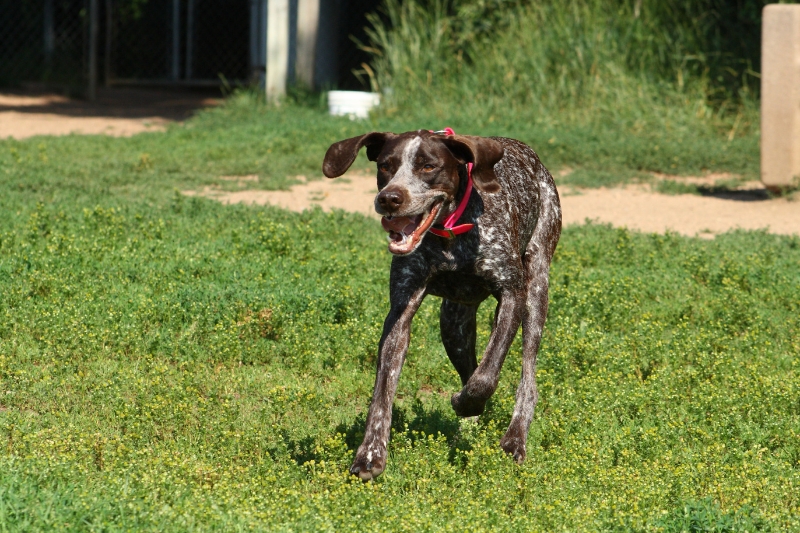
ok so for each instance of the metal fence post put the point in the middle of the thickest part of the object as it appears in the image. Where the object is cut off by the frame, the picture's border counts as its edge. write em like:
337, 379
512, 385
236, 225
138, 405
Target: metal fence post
107, 49
258, 41
176, 39
91, 92
49, 33
189, 38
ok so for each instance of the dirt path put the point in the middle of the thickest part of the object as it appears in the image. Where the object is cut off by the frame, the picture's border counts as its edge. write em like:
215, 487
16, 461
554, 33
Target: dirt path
351, 192
634, 207
687, 214
118, 112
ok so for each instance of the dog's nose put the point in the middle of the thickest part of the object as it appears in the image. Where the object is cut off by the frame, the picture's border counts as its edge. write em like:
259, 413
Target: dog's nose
390, 200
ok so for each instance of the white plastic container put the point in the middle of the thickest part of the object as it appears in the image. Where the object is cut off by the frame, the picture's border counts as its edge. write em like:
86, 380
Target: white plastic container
355, 104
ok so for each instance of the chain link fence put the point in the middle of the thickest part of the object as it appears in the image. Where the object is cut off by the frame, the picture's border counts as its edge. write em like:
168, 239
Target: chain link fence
170, 42
179, 41
43, 40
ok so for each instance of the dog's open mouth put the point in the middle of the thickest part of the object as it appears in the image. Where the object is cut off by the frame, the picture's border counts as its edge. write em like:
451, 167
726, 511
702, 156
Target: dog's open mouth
405, 233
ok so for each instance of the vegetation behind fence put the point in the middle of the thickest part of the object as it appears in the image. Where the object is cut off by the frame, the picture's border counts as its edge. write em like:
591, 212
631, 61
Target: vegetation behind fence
678, 72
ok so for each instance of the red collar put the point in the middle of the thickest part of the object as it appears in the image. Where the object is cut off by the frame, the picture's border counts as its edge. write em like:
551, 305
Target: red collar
450, 229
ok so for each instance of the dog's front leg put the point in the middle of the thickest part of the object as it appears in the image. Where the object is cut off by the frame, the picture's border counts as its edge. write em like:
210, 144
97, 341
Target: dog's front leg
471, 400
371, 455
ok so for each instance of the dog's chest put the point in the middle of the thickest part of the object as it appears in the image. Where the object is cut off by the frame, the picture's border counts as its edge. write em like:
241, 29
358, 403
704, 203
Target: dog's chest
471, 263
461, 287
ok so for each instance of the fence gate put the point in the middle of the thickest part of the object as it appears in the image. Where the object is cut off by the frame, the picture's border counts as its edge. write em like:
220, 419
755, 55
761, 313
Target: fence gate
44, 40
195, 42
76, 45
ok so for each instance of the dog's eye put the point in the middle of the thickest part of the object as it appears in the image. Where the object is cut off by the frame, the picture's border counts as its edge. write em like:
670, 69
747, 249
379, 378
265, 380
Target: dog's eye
384, 167
428, 168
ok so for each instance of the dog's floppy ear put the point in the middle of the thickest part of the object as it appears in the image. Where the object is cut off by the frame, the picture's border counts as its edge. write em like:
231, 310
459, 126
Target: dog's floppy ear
483, 153
341, 155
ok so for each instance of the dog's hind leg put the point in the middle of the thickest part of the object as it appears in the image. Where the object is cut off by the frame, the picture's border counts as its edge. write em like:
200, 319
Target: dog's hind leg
537, 259
513, 442
458, 324
471, 399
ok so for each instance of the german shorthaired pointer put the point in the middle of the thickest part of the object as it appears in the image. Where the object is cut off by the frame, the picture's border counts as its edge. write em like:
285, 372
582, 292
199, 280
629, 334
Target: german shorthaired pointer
510, 225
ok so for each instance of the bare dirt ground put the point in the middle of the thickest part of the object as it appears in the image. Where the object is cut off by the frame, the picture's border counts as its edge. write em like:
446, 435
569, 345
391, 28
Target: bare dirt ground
351, 192
123, 112
635, 206
117, 111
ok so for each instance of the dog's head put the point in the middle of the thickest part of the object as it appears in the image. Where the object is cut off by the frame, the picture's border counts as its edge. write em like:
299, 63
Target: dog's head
418, 177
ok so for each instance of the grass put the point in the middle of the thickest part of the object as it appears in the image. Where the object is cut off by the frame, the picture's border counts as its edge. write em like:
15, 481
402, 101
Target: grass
168, 363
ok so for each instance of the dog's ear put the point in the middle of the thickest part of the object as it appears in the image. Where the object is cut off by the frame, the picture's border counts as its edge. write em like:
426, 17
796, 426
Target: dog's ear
341, 155
483, 153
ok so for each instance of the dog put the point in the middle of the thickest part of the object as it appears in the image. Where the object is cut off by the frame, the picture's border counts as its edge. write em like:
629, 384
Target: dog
467, 217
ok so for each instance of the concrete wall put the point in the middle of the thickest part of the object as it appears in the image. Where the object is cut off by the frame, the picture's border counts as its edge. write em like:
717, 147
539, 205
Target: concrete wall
780, 96
301, 42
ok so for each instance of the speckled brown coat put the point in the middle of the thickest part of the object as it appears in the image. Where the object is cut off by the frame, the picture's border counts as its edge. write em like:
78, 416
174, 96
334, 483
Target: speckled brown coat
517, 216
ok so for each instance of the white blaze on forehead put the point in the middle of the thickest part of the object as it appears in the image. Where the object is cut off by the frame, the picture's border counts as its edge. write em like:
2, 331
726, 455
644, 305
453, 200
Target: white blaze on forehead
418, 194
409, 154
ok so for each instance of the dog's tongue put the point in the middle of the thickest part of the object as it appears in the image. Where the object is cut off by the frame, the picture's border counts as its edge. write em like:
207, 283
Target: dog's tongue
405, 233
398, 224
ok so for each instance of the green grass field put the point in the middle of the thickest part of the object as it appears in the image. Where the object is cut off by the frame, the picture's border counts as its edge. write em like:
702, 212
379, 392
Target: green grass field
172, 364
168, 363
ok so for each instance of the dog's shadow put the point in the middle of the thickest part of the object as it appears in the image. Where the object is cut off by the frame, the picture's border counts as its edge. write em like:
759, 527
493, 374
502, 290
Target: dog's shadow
416, 422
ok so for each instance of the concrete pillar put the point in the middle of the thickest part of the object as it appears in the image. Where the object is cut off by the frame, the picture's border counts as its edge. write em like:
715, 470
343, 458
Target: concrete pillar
307, 29
780, 96
277, 47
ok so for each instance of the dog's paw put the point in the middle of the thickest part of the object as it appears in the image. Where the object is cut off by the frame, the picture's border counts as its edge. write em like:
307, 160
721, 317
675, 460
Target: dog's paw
515, 447
465, 405
368, 466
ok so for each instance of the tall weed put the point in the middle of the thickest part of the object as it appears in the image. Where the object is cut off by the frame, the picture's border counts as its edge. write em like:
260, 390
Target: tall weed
597, 72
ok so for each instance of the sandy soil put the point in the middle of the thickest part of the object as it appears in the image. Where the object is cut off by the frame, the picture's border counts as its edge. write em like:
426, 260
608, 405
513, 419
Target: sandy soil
634, 207
118, 112
687, 214
351, 192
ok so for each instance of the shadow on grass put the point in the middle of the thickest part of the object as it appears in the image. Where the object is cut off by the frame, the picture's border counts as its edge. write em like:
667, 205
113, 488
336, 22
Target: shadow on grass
301, 450
416, 422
